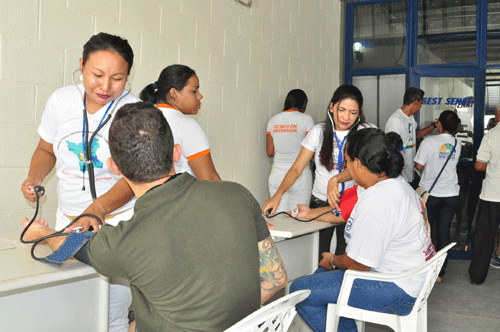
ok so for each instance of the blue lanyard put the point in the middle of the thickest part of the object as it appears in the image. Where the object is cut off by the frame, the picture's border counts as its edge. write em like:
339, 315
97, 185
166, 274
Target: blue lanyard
339, 160
85, 123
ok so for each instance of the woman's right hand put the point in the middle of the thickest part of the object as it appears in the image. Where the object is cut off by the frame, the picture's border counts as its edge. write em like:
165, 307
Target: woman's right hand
271, 204
333, 193
28, 184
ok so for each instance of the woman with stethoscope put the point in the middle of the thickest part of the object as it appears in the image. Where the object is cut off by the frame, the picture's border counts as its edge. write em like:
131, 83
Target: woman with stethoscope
73, 117
326, 143
176, 93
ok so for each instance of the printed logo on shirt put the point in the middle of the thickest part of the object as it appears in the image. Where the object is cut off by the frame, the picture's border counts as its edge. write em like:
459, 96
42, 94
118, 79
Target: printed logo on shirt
445, 151
348, 227
289, 128
77, 149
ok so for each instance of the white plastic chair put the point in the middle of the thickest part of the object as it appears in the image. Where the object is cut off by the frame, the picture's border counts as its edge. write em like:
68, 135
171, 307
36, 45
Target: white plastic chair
415, 321
274, 317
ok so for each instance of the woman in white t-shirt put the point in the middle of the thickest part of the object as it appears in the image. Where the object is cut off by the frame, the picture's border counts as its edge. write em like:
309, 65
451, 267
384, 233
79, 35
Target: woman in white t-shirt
326, 144
176, 93
285, 132
443, 201
85, 184
386, 233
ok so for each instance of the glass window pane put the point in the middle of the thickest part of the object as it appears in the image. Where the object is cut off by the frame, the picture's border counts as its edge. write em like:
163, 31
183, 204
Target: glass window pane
493, 33
449, 93
379, 35
382, 95
446, 31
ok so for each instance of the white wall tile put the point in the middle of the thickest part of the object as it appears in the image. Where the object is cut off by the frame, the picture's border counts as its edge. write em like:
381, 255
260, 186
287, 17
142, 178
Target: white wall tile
19, 18
247, 60
63, 26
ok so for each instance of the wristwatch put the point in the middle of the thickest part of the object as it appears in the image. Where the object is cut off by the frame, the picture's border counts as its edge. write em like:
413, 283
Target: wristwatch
434, 125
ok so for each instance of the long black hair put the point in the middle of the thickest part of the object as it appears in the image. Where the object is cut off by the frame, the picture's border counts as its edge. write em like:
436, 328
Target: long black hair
378, 151
174, 76
343, 92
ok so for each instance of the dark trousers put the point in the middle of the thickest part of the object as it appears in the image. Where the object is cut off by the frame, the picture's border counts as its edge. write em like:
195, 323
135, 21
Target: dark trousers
325, 235
487, 223
440, 212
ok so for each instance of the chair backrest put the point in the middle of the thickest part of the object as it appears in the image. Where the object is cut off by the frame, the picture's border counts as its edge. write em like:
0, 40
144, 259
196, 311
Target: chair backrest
431, 268
274, 317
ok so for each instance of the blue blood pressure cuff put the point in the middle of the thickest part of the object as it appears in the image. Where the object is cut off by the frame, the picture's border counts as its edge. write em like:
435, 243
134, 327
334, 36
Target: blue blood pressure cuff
73, 243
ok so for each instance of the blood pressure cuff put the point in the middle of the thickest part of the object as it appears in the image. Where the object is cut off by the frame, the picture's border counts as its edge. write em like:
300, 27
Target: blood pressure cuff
347, 201
73, 243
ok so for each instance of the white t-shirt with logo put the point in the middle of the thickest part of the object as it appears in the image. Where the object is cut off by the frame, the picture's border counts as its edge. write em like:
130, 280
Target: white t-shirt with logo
406, 127
288, 129
62, 126
432, 154
388, 233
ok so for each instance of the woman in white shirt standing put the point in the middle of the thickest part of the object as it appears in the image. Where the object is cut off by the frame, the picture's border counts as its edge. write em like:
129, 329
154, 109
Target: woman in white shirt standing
285, 132
326, 143
176, 94
432, 154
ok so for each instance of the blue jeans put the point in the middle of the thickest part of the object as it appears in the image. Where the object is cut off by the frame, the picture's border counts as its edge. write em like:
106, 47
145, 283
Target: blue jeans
372, 295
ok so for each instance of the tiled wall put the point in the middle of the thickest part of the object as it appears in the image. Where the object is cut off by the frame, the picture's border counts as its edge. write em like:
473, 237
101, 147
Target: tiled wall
247, 60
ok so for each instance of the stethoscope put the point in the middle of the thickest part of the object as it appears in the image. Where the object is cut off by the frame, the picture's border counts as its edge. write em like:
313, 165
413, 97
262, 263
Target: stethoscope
340, 158
39, 191
87, 145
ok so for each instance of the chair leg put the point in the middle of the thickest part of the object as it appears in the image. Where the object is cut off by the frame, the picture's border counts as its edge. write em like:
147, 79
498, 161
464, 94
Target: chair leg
360, 325
332, 321
422, 318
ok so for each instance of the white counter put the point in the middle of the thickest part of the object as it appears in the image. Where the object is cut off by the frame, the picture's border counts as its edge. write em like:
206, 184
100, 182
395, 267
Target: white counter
36, 296
298, 244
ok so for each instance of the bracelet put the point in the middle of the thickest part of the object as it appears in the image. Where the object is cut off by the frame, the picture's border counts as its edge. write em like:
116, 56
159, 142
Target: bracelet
331, 262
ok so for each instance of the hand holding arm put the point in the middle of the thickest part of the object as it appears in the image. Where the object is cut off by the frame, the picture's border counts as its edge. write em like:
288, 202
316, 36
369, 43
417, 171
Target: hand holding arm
333, 193
306, 213
113, 199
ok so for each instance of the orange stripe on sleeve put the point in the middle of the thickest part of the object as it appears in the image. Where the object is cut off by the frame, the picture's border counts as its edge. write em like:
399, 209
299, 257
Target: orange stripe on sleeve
198, 155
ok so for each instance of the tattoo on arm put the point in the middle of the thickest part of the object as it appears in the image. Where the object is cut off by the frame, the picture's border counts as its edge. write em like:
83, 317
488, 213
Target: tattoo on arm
272, 270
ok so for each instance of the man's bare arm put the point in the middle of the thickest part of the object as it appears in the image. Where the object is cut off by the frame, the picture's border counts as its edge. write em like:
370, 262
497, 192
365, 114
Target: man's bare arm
480, 166
272, 270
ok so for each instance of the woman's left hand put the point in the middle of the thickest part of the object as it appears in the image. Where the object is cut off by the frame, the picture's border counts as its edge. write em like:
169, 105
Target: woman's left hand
326, 261
302, 211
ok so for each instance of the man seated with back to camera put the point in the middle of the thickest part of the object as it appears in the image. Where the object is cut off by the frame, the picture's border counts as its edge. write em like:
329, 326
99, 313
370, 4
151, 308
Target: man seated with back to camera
193, 249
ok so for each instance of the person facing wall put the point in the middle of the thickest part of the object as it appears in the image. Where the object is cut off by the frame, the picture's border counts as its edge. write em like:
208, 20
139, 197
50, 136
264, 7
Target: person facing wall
285, 132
